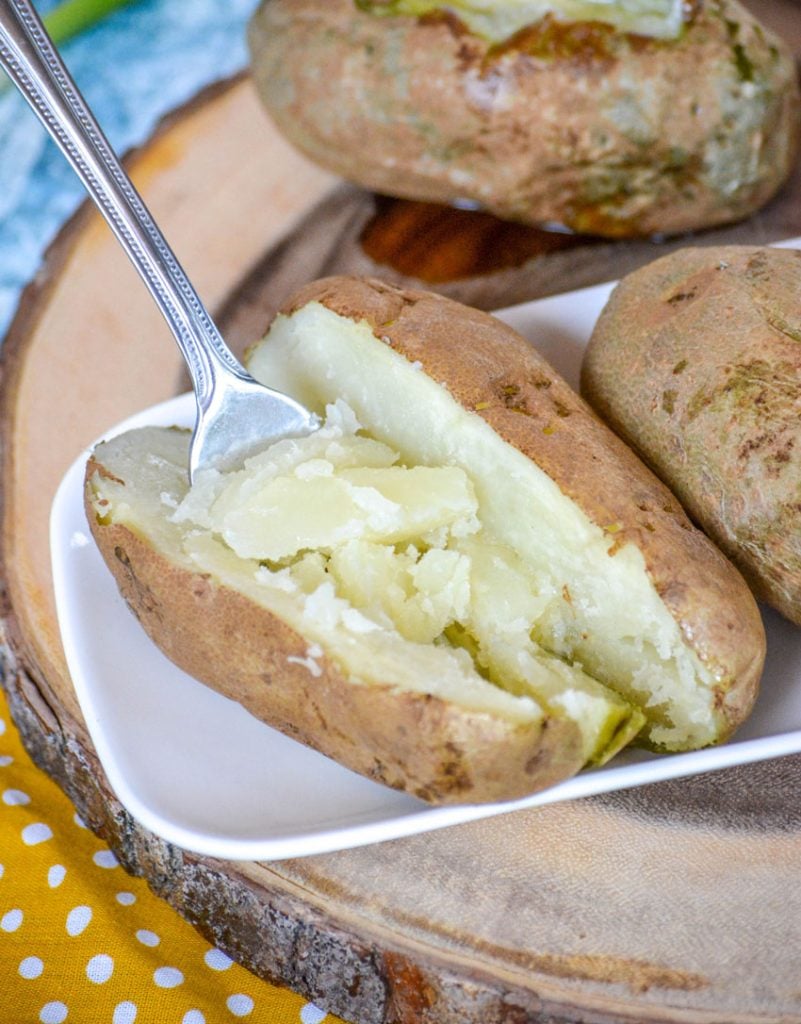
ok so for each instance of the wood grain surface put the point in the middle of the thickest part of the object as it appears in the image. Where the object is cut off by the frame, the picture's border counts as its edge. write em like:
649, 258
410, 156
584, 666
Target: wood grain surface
678, 902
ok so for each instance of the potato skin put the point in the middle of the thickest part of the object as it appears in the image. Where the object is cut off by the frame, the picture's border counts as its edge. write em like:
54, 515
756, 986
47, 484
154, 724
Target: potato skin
418, 742
520, 395
600, 131
696, 362
410, 741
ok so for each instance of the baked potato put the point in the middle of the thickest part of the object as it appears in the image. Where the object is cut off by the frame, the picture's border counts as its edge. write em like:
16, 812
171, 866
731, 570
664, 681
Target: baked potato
463, 585
578, 123
696, 362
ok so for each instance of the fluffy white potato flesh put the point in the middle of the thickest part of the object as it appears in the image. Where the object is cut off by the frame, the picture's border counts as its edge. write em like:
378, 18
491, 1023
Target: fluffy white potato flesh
384, 566
550, 611
145, 493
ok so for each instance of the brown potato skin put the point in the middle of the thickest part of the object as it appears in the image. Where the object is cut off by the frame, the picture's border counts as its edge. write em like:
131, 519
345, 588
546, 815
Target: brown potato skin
696, 362
417, 742
578, 125
488, 368
410, 741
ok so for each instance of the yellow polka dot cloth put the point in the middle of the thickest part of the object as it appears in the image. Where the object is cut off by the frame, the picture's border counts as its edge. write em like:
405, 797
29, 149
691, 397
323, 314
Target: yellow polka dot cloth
83, 942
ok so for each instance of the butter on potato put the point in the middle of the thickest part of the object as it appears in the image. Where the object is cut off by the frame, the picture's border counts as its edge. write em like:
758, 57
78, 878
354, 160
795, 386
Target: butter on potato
498, 20
462, 585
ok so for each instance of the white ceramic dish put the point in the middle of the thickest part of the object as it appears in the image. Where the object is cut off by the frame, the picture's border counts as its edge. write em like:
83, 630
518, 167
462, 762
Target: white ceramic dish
199, 771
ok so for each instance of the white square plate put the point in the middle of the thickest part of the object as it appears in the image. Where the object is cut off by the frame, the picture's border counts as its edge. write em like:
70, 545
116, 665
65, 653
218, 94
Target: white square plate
199, 771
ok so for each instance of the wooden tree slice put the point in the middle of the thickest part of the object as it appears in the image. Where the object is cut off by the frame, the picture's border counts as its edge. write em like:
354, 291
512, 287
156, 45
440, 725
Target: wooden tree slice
679, 902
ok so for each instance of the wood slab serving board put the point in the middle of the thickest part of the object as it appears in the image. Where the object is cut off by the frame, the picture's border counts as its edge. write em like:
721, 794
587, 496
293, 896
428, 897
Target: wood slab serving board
679, 902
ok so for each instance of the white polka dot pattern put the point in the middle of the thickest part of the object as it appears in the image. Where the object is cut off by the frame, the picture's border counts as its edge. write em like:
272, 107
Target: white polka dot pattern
81, 942
100, 968
53, 1013
77, 920
15, 798
11, 920
168, 977
56, 875
217, 960
124, 1013
31, 967
311, 1014
239, 1005
36, 833
105, 859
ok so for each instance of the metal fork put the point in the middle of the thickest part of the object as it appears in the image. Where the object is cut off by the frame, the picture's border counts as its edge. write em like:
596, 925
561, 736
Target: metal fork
236, 415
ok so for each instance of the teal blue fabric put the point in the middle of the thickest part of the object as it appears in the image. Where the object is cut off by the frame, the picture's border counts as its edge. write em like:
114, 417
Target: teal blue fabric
133, 67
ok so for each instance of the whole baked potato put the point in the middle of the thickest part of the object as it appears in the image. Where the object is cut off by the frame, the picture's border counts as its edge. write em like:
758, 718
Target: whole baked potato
463, 585
569, 122
696, 362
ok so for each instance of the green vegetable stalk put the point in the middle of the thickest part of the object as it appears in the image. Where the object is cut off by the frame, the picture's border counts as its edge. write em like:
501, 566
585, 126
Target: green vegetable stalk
71, 17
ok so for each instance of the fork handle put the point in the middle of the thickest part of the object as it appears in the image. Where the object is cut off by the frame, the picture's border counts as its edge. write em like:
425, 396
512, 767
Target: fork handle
31, 60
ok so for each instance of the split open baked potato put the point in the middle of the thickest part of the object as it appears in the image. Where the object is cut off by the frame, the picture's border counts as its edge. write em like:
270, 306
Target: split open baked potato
463, 585
618, 119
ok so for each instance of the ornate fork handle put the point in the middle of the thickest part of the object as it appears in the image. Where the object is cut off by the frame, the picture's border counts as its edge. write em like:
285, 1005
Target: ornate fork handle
34, 65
